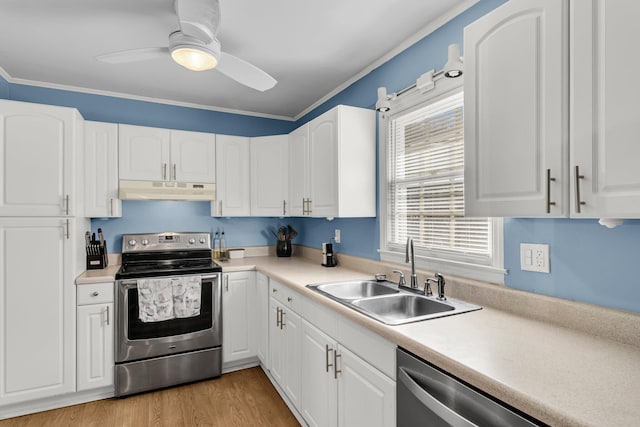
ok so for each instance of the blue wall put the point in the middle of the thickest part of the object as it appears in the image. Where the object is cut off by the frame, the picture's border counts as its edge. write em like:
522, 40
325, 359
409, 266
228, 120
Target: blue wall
588, 262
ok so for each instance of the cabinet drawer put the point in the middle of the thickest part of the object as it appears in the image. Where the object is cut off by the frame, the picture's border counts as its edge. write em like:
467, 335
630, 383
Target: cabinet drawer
95, 293
285, 295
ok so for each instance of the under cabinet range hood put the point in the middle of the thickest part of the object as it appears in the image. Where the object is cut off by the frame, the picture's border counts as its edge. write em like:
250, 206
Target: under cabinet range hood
166, 190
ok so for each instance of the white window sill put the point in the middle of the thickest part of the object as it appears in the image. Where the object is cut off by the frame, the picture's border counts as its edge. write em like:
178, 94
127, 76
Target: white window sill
484, 273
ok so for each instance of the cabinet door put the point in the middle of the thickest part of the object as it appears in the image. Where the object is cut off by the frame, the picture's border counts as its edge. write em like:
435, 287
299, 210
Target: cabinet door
101, 170
323, 164
37, 159
143, 153
238, 310
366, 397
95, 346
261, 322
269, 175
276, 343
318, 396
37, 308
516, 131
298, 167
232, 177
292, 337
604, 108
193, 156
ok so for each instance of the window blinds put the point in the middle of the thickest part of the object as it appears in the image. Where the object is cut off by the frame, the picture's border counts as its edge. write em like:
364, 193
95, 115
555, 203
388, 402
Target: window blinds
426, 181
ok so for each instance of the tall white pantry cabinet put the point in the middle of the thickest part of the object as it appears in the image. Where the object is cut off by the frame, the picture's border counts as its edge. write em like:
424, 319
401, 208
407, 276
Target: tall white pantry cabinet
41, 238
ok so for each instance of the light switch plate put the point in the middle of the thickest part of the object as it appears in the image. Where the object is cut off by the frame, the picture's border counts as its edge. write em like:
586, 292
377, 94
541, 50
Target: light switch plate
534, 257
336, 235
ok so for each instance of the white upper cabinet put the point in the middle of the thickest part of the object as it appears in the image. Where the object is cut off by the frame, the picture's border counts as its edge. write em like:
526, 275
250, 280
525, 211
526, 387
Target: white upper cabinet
101, 170
515, 89
154, 154
605, 103
38, 164
233, 184
270, 175
332, 165
144, 153
193, 156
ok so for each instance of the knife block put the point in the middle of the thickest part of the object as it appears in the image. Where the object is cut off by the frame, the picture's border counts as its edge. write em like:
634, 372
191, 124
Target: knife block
97, 256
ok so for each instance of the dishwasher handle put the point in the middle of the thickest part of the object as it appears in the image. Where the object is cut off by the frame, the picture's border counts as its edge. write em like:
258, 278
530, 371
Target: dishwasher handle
440, 409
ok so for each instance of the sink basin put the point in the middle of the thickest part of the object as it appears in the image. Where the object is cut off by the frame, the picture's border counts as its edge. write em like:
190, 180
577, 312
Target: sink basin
386, 303
395, 309
356, 289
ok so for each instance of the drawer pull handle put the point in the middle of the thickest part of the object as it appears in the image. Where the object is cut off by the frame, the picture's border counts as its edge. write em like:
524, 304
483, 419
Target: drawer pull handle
107, 315
336, 371
95, 293
327, 350
289, 299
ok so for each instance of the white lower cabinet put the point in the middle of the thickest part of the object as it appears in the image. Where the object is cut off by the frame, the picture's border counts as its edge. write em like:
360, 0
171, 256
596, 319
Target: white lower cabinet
238, 311
340, 388
284, 343
95, 319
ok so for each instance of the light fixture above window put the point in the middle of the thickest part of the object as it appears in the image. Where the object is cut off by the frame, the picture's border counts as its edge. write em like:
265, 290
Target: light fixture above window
453, 68
192, 53
383, 103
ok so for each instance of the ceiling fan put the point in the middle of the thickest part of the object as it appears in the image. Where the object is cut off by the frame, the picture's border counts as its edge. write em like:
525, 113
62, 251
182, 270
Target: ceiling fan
196, 47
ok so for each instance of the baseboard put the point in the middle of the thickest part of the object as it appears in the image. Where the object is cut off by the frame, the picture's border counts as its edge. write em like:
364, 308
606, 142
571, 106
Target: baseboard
240, 364
55, 402
284, 397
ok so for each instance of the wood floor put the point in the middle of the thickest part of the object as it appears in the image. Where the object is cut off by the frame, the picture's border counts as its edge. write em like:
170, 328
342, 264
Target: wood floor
241, 398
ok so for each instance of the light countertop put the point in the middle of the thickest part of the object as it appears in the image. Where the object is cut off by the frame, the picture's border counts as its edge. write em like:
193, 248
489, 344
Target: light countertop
558, 375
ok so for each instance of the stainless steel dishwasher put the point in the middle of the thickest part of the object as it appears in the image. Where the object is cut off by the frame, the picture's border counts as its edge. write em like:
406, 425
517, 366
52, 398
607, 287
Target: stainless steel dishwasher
426, 396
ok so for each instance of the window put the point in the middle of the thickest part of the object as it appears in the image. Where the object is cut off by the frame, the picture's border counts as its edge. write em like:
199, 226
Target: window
422, 186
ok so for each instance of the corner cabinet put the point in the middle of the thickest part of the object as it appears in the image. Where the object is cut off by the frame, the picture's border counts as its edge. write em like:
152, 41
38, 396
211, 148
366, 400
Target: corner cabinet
555, 138
101, 170
238, 317
95, 317
233, 184
262, 320
332, 165
269, 175
515, 100
38, 159
155, 154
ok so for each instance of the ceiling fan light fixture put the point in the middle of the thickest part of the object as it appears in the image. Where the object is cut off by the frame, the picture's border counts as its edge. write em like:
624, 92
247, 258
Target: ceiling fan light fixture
192, 53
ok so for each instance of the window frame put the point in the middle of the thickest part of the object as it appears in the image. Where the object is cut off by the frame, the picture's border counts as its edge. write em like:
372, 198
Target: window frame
491, 270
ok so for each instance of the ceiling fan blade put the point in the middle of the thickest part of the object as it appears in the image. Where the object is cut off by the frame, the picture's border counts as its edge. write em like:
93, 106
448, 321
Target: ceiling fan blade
134, 55
245, 73
198, 18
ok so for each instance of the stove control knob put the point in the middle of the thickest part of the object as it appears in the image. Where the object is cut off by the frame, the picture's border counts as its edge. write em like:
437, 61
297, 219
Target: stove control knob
132, 242
145, 242
192, 241
202, 240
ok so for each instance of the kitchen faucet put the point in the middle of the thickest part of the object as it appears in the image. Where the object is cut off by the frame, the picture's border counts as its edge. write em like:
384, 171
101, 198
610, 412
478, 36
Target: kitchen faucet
414, 278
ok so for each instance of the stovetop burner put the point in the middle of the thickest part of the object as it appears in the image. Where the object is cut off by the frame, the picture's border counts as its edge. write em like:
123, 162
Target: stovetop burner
166, 254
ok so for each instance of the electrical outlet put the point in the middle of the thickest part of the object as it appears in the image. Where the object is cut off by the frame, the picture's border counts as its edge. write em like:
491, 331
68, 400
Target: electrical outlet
534, 257
336, 235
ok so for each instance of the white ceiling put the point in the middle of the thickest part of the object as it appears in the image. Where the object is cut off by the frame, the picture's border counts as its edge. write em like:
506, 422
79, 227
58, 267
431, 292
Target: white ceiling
310, 47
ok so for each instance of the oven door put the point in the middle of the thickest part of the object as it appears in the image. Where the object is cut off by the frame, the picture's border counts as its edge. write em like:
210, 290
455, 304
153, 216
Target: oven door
136, 340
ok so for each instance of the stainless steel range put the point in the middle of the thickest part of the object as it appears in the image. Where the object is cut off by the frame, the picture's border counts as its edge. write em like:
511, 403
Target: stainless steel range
168, 311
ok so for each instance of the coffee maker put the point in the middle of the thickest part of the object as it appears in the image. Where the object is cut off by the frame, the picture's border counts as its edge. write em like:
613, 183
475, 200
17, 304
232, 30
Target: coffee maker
328, 256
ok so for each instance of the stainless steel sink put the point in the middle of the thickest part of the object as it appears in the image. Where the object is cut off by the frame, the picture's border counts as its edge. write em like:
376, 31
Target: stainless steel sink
356, 289
385, 302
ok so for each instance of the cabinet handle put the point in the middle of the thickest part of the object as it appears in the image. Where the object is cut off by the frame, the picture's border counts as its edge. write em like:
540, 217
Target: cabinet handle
107, 315
174, 172
289, 299
164, 171
274, 290
282, 313
111, 207
220, 211
549, 202
327, 350
67, 234
278, 317
336, 371
284, 207
226, 283
308, 206
95, 293
304, 209
579, 203
66, 200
